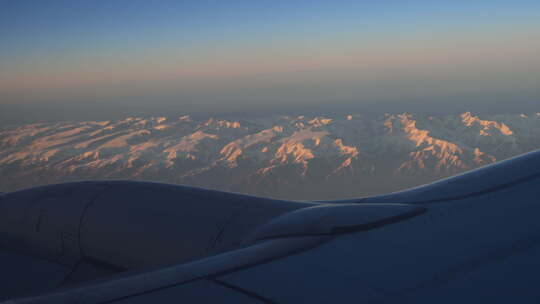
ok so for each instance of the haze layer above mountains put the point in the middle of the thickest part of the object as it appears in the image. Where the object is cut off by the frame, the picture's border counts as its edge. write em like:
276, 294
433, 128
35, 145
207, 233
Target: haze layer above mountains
300, 157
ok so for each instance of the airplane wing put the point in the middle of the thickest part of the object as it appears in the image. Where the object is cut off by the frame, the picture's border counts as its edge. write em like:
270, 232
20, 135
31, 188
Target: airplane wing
470, 238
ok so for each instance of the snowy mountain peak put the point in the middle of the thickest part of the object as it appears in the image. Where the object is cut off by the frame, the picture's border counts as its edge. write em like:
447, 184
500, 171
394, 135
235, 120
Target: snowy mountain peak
487, 127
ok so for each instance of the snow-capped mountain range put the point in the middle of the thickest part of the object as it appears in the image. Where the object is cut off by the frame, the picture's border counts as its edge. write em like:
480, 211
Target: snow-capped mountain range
300, 157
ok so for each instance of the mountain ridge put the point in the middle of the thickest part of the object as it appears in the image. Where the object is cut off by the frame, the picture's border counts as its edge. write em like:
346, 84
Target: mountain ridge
300, 157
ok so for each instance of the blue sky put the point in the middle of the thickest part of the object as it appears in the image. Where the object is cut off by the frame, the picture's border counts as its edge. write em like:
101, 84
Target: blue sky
254, 52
